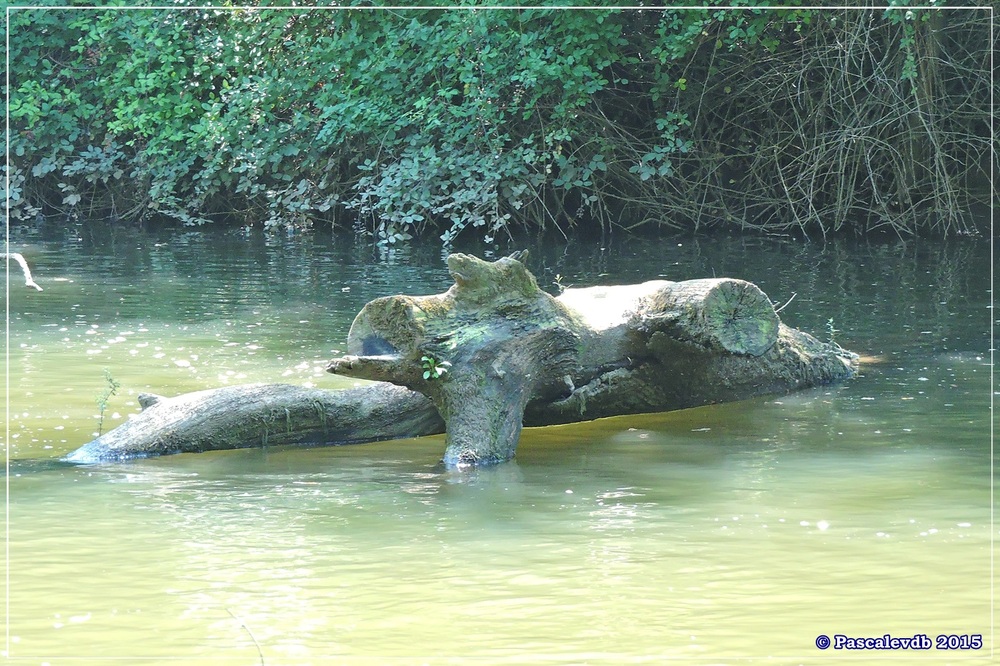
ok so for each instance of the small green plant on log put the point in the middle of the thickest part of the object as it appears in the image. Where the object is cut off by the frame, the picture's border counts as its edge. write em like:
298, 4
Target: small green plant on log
832, 332
558, 282
433, 368
111, 386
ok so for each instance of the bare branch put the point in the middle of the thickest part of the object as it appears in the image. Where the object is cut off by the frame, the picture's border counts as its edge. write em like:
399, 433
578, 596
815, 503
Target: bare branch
28, 281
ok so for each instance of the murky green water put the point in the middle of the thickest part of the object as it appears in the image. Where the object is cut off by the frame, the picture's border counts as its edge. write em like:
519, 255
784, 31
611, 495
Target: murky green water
717, 534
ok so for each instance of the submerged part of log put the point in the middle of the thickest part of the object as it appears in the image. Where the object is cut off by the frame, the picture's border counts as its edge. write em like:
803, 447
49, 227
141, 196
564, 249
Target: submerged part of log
517, 353
252, 415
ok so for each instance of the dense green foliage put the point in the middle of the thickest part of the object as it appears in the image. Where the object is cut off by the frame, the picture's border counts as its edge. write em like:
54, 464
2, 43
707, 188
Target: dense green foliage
403, 120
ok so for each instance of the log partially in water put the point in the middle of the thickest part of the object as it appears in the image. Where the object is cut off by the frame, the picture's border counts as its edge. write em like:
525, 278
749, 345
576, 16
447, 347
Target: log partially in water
252, 415
517, 356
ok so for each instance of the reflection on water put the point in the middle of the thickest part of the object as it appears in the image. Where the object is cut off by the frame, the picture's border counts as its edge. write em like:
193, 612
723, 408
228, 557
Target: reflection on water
741, 530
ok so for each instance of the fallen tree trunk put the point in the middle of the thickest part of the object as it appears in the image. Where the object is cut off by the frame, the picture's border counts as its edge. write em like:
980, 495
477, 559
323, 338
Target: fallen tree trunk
516, 353
495, 352
251, 415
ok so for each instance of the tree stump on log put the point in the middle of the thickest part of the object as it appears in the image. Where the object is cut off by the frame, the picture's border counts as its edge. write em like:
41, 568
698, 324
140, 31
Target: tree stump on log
502, 340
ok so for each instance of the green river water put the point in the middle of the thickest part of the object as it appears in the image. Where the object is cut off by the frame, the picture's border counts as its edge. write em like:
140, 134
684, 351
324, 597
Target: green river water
728, 534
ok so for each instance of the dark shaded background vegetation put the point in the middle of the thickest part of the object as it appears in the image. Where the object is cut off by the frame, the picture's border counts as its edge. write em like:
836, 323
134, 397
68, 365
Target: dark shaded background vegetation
401, 122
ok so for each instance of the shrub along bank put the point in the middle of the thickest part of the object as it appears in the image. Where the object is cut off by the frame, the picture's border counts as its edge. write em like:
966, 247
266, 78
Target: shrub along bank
410, 121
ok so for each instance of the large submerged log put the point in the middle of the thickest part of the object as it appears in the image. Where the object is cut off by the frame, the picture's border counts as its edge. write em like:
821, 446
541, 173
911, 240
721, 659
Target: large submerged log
514, 355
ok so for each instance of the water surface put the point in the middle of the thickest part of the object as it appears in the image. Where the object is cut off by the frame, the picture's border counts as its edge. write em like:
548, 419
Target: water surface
717, 534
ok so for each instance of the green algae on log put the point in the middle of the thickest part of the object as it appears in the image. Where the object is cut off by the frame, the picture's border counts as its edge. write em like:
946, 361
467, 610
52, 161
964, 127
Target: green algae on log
518, 354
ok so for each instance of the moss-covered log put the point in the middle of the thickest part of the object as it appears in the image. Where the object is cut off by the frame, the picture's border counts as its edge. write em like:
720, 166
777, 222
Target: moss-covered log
502, 340
494, 352
251, 415
515, 352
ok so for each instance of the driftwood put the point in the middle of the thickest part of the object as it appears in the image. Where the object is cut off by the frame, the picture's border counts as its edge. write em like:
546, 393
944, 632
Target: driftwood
251, 415
517, 353
28, 280
513, 355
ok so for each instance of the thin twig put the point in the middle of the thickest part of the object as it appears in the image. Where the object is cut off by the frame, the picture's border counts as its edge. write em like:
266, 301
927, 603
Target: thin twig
249, 633
791, 298
28, 282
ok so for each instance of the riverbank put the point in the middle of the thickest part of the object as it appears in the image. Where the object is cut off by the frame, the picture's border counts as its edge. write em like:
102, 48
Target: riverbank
455, 123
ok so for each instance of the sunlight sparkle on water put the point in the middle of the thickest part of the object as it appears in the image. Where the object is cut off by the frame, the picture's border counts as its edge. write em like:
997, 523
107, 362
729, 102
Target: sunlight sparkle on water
627, 537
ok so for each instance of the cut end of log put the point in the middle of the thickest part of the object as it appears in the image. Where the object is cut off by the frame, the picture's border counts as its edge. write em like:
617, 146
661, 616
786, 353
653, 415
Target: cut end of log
721, 314
742, 317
